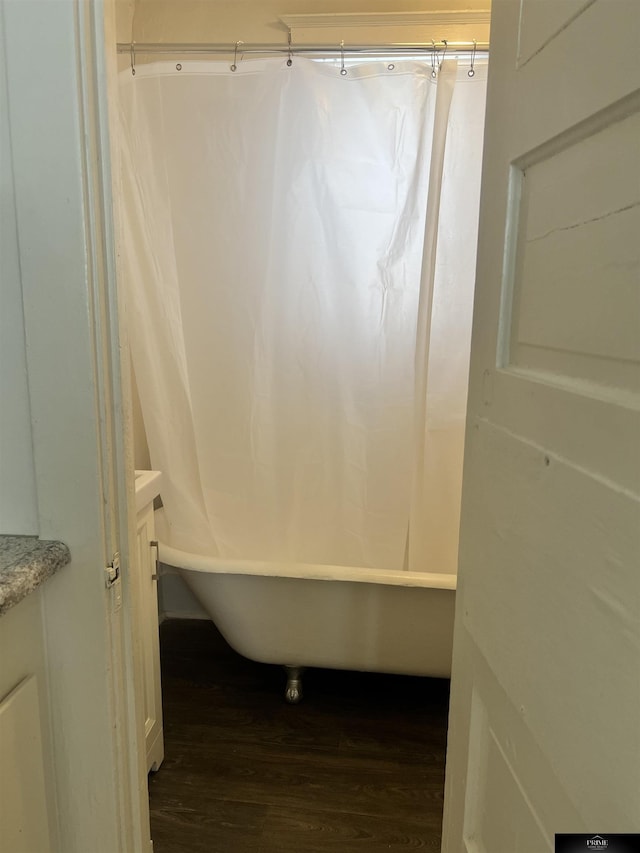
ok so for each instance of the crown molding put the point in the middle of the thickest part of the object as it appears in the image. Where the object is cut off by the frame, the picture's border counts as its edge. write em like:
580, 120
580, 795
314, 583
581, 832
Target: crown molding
387, 19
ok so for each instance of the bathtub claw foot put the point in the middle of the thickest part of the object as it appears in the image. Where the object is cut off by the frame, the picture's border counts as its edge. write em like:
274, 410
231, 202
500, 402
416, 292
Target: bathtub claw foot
293, 691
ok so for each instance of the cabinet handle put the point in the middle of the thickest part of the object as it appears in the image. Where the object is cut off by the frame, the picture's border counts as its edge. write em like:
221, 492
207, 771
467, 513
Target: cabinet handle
154, 544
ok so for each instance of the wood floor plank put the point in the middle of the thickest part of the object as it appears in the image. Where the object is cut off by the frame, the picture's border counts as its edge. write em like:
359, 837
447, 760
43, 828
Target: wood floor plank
277, 776
321, 832
358, 765
227, 828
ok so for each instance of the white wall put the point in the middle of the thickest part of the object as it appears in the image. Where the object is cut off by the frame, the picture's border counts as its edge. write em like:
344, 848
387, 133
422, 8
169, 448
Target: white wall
124, 19
176, 601
18, 509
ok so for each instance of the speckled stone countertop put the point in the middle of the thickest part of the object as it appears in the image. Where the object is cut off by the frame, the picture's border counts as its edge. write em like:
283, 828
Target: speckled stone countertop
25, 563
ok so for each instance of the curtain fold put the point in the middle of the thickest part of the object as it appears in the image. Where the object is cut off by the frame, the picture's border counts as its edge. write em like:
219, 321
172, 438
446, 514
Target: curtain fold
290, 341
417, 536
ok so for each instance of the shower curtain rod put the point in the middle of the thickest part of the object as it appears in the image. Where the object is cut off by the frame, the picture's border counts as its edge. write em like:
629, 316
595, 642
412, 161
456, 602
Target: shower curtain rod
453, 47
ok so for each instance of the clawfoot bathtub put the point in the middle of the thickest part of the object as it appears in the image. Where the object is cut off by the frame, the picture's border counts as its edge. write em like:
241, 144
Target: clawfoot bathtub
300, 615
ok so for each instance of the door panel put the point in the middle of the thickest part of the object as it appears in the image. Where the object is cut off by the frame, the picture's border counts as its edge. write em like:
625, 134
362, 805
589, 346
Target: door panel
551, 611
543, 734
576, 268
542, 20
578, 220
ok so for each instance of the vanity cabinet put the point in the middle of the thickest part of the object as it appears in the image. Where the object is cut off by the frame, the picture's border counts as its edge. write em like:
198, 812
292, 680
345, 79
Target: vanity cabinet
149, 689
27, 796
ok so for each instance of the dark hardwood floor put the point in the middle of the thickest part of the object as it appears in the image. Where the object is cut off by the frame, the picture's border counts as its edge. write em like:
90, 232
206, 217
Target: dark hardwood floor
357, 766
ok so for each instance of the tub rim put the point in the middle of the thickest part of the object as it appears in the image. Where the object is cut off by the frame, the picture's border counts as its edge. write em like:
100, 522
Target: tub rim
302, 571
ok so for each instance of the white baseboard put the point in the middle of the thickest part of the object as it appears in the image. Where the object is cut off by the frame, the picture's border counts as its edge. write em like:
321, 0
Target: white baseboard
184, 614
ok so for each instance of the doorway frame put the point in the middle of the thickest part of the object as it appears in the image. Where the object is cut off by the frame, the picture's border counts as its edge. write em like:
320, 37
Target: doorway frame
56, 60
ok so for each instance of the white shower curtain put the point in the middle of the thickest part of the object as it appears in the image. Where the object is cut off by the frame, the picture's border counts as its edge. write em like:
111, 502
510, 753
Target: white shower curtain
298, 253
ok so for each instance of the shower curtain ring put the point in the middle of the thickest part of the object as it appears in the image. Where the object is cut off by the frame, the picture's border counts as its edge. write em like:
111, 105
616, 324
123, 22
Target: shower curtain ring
133, 58
444, 52
434, 53
343, 70
290, 59
471, 72
235, 55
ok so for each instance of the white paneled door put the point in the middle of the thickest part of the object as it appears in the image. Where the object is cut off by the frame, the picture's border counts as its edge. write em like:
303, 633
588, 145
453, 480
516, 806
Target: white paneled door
544, 728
